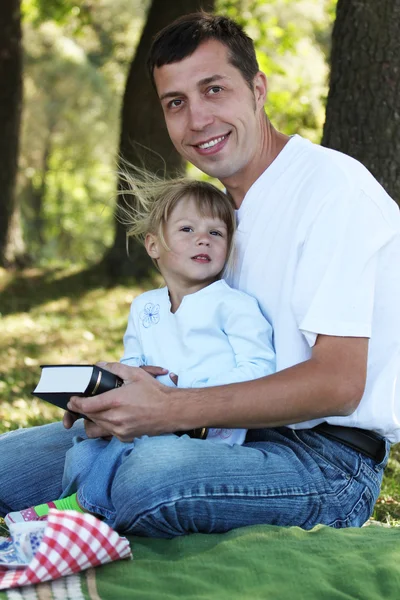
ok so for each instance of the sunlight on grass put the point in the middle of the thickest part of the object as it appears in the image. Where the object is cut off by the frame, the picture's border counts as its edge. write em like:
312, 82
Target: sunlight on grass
69, 316
387, 508
80, 326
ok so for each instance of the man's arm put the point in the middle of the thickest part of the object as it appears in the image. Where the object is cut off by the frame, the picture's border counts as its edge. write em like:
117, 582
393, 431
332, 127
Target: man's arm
330, 383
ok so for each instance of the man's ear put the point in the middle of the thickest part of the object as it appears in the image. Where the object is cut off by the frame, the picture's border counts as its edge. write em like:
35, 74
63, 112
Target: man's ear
260, 88
151, 243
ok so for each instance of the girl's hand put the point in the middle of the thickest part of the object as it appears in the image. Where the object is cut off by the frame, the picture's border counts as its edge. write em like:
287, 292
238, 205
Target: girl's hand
174, 378
154, 371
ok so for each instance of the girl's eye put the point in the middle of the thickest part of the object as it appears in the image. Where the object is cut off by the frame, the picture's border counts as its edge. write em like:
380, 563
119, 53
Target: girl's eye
186, 229
215, 232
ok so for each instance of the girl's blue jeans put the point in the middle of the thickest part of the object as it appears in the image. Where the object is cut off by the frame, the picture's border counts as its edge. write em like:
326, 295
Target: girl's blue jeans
167, 486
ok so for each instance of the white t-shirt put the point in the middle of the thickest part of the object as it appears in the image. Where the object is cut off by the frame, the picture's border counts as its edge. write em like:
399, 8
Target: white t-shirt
318, 245
217, 336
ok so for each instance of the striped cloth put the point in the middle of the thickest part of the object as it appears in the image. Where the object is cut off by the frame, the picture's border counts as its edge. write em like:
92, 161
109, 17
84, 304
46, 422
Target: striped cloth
70, 542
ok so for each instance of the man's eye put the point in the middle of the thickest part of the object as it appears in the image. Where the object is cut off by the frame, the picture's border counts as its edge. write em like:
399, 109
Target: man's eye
215, 89
174, 103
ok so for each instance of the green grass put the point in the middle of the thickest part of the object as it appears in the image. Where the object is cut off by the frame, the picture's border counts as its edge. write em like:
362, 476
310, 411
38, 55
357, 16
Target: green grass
54, 316
77, 316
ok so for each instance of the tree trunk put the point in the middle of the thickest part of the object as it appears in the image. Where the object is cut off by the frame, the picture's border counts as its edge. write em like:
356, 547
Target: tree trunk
143, 129
12, 250
363, 108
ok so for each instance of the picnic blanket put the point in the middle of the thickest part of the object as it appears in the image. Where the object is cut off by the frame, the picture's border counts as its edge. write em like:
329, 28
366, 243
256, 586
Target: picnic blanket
67, 542
263, 562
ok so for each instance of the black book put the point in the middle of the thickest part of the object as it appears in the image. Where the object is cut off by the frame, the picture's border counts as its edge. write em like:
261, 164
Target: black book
59, 382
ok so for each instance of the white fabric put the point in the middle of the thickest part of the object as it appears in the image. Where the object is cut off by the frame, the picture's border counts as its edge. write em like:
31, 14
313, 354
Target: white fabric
217, 336
319, 247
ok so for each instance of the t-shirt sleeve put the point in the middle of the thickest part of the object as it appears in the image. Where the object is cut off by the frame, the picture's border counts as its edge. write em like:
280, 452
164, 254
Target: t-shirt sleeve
336, 270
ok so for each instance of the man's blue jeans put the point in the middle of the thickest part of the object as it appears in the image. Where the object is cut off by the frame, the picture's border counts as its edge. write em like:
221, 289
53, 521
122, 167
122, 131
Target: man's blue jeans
168, 485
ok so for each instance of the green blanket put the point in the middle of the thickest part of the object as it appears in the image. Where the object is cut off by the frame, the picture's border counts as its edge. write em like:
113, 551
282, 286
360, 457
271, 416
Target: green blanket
264, 562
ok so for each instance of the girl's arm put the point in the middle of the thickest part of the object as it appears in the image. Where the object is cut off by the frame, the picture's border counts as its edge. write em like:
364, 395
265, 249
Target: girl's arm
133, 354
249, 336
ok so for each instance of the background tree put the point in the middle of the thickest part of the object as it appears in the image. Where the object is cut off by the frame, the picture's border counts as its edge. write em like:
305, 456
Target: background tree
142, 126
77, 57
11, 243
363, 108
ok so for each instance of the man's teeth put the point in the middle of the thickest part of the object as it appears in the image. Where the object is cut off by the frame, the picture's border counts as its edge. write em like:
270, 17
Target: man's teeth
212, 143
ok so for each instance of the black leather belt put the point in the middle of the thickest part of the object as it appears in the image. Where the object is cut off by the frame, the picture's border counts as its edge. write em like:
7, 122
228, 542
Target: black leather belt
367, 442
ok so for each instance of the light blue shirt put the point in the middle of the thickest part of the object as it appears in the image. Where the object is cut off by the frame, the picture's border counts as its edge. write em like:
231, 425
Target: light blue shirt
217, 336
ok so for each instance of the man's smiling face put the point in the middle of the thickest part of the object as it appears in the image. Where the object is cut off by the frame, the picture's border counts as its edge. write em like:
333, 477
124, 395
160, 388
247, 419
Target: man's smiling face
213, 118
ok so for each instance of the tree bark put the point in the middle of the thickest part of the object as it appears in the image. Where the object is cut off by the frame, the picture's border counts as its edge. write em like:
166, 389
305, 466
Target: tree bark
363, 107
143, 127
12, 251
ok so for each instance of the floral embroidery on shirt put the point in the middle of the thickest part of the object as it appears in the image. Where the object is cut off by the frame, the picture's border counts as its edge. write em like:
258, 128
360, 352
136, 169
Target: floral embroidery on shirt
150, 314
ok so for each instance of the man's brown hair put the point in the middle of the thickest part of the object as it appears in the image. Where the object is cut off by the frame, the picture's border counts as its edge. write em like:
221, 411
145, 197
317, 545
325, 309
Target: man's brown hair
184, 35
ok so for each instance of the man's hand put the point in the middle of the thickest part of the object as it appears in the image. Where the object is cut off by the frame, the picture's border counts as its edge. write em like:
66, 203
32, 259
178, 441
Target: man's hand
92, 429
330, 383
69, 419
127, 412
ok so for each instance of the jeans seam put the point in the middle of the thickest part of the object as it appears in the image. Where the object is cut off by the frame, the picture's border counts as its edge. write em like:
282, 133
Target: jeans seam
173, 502
346, 474
232, 495
371, 473
207, 480
365, 500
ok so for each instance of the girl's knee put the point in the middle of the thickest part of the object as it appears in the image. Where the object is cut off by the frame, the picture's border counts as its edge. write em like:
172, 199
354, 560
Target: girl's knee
155, 467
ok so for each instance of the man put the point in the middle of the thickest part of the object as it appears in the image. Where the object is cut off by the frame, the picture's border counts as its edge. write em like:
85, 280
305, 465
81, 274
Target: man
318, 246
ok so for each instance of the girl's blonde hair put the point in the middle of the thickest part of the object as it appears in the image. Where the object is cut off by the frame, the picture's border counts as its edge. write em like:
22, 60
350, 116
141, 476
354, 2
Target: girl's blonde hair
154, 198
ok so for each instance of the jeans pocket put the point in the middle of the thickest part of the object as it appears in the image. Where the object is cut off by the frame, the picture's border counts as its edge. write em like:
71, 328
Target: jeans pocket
351, 483
361, 504
343, 460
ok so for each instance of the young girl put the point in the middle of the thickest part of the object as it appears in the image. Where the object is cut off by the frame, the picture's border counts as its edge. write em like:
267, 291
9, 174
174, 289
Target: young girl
202, 332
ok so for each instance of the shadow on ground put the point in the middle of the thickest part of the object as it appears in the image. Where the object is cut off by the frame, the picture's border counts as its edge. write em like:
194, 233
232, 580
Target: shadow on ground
31, 288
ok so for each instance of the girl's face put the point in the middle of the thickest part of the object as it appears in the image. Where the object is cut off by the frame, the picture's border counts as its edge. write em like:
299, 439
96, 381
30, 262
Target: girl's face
197, 247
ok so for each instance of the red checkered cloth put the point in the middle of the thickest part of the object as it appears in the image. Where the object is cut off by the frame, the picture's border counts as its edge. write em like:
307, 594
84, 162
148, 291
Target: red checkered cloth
71, 542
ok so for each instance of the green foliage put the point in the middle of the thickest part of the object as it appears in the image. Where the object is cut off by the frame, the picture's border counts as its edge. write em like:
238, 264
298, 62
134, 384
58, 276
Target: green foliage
38, 11
76, 57
77, 54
